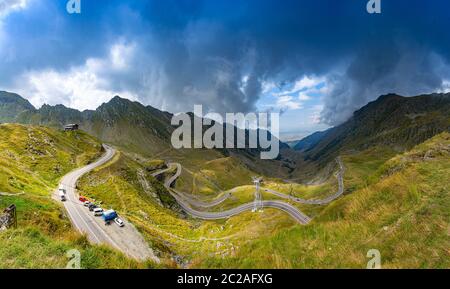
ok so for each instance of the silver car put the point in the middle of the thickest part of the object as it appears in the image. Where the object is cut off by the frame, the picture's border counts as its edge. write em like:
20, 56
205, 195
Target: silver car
98, 212
119, 222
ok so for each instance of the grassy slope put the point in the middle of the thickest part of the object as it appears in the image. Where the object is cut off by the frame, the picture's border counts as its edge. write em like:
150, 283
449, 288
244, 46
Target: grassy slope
32, 160
398, 205
402, 212
216, 176
205, 172
171, 235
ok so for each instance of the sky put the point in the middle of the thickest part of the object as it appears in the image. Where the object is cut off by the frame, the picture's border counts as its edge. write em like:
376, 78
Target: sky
314, 61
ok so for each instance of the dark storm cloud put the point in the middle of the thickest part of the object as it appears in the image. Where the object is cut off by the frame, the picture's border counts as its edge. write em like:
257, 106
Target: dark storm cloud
219, 53
407, 71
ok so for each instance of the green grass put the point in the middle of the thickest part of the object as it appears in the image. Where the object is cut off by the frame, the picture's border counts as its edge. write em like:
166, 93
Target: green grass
30, 247
170, 233
154, 165
405, 215
32, 160
167, 230
396, 204
360, 167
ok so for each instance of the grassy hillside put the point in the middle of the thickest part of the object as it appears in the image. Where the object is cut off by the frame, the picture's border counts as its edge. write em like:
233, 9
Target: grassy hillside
396, 204
176, 238
214, 177
128, 124
11, 105
391, 121
134, 128
402, 211
32, 160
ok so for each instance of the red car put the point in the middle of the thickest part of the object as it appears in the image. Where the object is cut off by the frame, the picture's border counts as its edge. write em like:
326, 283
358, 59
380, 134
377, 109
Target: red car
82, 199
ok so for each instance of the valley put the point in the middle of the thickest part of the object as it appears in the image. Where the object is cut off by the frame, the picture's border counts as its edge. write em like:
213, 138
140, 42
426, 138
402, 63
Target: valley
324, 203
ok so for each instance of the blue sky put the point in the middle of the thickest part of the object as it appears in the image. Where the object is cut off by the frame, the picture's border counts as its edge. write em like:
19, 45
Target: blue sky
315, 61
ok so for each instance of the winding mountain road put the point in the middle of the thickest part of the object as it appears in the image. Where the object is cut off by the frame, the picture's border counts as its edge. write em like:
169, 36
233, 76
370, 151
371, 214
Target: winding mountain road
191, 199
291, 210
126, 239
340, 178
186, 201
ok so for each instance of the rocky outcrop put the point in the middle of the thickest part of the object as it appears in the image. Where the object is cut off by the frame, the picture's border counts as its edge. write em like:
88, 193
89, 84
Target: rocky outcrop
8, 218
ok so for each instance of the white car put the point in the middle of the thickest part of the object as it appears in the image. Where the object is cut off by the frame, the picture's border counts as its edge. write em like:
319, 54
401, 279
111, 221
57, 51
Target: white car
119, 222
98, 212
86, 204
62, 195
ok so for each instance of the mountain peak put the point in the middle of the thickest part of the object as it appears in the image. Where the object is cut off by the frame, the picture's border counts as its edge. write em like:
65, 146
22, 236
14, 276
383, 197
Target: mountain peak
118, 99
13, 98
116, 102
11, 105
389, 96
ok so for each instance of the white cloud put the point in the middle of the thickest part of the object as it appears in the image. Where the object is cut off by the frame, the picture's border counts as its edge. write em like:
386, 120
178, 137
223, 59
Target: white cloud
303, 96
9, 6
315, 114
286, 101
120, 54
445, 87
305, 84
268, 86
244, 82
302, 90
81, 87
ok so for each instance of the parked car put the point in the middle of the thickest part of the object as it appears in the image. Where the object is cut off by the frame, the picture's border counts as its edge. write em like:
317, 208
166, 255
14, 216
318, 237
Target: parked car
62, 194
119, 222
98, 212
82, 199
92, 207
87, 203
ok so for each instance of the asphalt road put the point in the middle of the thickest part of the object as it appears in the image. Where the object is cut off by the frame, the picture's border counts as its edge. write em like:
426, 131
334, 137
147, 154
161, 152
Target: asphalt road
126, 239
340, 178
291, 210
191, 199
201, 204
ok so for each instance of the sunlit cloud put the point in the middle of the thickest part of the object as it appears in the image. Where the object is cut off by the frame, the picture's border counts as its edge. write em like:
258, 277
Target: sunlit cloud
9, 6
81, 87
287, 102
304, 84
315, 114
